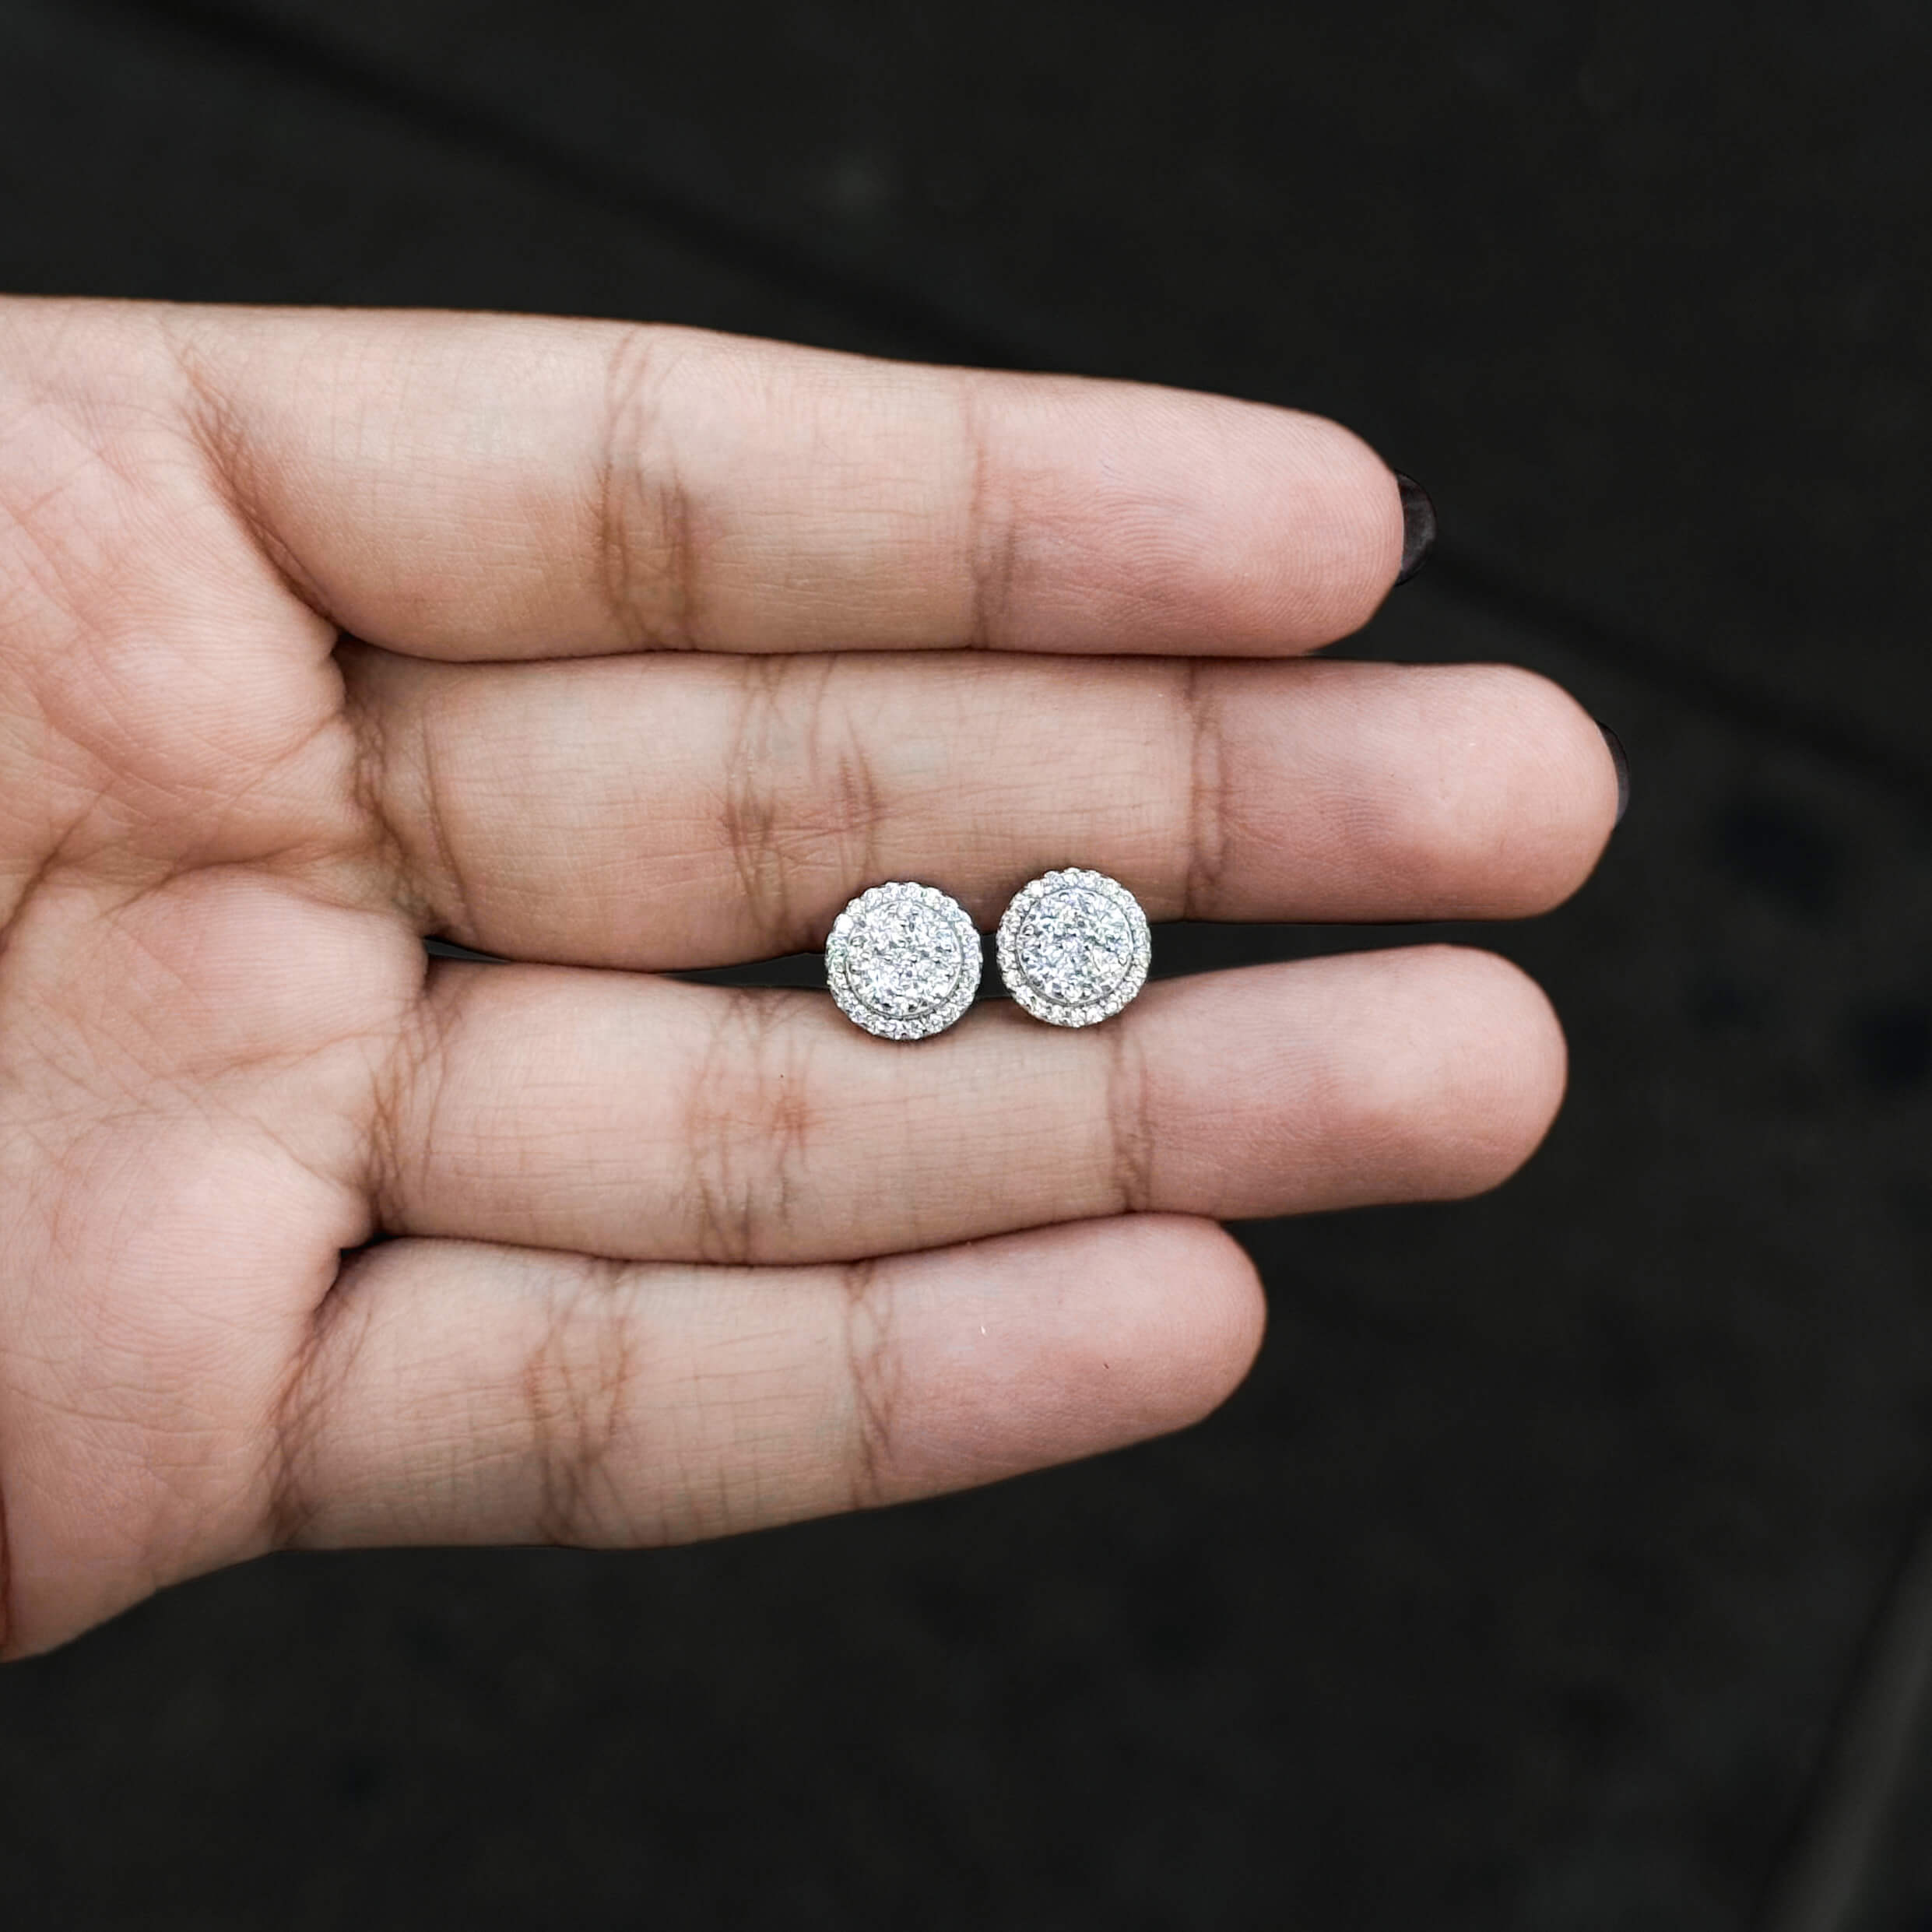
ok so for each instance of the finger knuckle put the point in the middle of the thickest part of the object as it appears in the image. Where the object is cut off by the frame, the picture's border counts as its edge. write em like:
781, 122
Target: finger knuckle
647, 534
751, 1125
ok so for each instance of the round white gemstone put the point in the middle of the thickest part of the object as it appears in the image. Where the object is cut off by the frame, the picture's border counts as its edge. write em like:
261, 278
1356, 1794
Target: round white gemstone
903, 960
1076, 946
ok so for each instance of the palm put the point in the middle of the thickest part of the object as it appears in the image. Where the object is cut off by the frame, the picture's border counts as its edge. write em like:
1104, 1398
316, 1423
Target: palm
639, 1292
204, 989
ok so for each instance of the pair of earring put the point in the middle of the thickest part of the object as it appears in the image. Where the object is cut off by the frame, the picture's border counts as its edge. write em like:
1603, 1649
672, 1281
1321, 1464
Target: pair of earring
903, 960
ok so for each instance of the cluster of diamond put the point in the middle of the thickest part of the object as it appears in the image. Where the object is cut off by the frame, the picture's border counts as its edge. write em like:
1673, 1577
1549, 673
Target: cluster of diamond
1074, 947
903, 962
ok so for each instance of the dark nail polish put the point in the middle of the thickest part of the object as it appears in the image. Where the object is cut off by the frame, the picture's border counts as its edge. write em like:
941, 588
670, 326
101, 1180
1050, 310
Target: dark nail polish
1622, 763
1418, 525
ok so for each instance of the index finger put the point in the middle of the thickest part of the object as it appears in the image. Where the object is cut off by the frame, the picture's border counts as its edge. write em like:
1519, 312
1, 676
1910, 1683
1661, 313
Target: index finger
487, 487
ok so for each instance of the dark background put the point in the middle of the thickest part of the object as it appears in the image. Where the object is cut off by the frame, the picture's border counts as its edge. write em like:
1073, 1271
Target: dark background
1556, 1569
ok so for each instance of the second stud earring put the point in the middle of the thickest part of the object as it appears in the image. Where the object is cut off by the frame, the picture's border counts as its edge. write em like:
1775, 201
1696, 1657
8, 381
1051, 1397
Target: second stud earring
1074, 947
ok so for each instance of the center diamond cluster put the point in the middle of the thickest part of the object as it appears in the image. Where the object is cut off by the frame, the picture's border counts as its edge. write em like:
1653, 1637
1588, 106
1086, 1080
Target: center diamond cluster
1074, 947
903, 960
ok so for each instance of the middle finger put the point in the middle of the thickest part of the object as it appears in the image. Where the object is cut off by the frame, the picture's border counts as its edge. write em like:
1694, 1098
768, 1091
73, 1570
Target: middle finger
668, 812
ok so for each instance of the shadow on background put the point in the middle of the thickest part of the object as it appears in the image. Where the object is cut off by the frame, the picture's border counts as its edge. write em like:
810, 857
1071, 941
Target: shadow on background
1553, 1570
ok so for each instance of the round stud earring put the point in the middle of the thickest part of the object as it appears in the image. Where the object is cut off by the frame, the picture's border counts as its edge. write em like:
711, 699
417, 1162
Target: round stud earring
1074, 947
903, 960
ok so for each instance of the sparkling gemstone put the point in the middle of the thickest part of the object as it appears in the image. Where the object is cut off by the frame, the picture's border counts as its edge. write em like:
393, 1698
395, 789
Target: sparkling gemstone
1076, 946
904, 958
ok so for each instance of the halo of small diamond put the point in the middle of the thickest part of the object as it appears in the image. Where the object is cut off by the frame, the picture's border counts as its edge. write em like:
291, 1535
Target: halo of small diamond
1074, 947
903, 960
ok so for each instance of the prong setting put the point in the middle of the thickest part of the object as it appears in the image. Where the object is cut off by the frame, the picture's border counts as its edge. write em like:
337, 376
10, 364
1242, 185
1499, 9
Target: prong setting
1074, 947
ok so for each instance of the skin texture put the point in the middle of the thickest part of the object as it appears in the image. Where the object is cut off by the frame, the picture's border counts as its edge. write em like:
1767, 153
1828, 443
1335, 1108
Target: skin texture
616, 650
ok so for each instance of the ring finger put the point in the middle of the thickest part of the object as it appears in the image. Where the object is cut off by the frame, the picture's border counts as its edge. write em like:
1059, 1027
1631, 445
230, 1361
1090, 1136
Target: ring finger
625, 1115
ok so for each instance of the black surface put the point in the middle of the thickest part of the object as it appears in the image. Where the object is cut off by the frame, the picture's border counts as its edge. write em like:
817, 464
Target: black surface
1521, 1586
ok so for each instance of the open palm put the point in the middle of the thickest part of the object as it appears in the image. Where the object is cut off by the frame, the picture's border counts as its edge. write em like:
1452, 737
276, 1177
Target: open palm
616, 651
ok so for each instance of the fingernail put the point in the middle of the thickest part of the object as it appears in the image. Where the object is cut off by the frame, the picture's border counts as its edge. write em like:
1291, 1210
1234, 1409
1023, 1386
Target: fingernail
1418, 525
1622, 763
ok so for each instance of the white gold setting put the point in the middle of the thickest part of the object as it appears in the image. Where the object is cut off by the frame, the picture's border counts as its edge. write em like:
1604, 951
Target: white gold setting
1074, 947
903, 962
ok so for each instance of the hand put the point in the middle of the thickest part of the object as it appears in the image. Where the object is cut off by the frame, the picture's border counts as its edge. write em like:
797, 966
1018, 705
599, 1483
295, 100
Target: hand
620, 650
